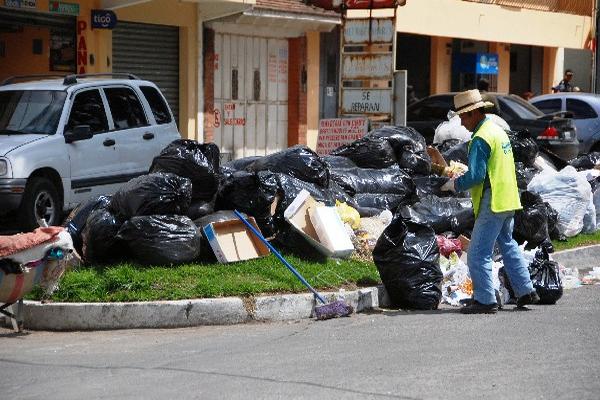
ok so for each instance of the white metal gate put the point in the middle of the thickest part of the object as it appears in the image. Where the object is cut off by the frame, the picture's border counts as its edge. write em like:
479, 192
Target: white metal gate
251, 95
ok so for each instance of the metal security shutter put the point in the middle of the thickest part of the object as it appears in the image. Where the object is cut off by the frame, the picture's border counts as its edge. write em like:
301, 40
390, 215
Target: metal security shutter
152, 53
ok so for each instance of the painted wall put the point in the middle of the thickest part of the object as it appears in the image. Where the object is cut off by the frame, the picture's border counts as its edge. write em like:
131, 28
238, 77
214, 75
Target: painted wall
580, 61
312, 106
18, 56
441, 64
503, 51
487, 22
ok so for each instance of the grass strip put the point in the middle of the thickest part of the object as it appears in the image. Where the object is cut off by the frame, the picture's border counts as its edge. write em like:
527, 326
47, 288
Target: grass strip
584, 239
130, 282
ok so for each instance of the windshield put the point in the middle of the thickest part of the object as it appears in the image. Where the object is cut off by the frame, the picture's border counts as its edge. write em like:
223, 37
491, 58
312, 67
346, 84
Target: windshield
520, 107
30, 111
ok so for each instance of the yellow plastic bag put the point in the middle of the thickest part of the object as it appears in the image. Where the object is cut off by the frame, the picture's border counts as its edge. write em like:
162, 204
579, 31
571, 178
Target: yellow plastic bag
348, 214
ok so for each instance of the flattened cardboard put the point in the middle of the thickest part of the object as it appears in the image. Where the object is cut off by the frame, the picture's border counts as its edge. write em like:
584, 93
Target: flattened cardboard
298, 216
231, 241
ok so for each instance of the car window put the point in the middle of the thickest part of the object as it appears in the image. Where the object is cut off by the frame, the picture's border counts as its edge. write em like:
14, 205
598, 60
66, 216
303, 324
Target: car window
520, 108
549, 106
88, 109
157, 104
580, 109
31, 111
125, 107
433, 109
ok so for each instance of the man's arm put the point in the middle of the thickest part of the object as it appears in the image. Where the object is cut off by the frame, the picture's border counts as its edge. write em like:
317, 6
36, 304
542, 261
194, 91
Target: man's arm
479, 154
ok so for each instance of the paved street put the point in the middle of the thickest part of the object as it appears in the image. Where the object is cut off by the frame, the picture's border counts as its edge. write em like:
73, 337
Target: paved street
552, 352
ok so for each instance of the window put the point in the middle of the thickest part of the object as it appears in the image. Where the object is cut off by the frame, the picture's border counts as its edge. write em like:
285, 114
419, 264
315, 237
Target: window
157, 105
549, 106
433, 109
126, 109
88, 110
580, 109
31, 111
518, 107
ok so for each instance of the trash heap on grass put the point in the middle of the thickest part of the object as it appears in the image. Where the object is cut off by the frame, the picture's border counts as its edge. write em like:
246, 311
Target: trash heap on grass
378, 198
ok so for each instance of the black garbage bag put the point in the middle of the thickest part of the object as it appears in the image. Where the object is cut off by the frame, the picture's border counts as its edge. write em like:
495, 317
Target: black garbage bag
437, 212
290, 187
380, 201
339, 194
241, 163
545, 277
524, 148
299, 162
368, 180
586, 161
407, 256
447, 145
156, 193
463, 222
338, 162
251, 193
100, 242
459, 153
414, 162
400, 138
531, 223
425, 185
75, 222
189, 159
200, 208
524, 174
161, 239
368, 152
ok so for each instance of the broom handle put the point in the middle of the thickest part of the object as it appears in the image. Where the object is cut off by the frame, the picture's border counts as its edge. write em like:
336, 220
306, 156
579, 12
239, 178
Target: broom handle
283, 260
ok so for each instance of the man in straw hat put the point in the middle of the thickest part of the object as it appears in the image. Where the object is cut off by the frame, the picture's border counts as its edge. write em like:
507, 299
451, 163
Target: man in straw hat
493, 184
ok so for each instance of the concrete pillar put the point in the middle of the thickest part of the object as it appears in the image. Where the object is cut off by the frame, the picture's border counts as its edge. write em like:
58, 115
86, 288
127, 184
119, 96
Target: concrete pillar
441, 64
503, 51
312, 86
554, 60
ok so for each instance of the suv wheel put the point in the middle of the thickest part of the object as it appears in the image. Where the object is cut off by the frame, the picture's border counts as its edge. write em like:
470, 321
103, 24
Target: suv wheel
40, 201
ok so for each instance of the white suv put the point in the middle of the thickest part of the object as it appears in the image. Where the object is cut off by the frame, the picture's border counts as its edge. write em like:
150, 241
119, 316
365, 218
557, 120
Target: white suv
63, 141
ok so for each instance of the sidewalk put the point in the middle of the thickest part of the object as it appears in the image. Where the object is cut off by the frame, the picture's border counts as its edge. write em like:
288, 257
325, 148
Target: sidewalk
223, 311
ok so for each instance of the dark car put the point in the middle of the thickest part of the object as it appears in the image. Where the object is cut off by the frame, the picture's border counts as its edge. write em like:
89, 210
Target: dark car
557, 134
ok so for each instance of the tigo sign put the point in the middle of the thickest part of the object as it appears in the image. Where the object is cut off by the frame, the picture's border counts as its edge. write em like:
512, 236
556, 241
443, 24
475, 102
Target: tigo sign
103, 19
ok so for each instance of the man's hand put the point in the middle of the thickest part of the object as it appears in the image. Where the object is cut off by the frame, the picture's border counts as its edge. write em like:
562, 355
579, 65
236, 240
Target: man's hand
448, 186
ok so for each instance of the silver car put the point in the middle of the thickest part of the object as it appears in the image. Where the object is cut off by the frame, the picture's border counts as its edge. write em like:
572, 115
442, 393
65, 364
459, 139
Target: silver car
583, 108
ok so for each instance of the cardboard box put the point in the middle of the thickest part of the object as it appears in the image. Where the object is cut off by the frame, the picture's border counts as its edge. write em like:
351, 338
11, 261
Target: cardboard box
231, 241
436, 156
331, 231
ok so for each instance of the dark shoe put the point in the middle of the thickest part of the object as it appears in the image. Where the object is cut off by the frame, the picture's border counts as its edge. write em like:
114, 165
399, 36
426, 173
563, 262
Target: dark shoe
477, 308
531, 298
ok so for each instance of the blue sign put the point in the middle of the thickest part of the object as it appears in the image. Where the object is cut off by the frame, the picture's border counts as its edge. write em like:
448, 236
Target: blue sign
103, 19
487, 63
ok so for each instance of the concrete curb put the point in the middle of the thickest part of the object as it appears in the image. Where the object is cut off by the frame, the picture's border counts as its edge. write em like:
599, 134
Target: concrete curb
185, 313
223, 311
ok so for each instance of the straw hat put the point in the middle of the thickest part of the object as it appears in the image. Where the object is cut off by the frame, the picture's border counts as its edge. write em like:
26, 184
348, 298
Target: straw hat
469, 100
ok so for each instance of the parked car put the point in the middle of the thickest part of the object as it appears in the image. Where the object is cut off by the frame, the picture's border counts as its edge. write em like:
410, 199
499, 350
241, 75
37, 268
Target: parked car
583, 108
553, 132
63, 141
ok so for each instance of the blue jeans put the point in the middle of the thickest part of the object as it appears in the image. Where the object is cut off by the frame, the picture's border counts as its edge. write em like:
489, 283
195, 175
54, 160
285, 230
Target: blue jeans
491, 227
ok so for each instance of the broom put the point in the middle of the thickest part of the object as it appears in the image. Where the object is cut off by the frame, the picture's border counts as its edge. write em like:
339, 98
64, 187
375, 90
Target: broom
326, 311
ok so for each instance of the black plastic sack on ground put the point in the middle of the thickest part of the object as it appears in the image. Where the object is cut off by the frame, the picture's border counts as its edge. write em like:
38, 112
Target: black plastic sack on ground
368, 180
531, 222
100, 242
425, 185
524, 148
368, 152
447, 145
380, 201
459, 153
75, 222
200, 208
437, 212
462, 222
161, 239
290, 187
339, 194
414, 162
189, 159
586, 161
407, 256
299, 162
156, 193
241, 163
338, 162
524, 174
251, 193
399, 137
545, 278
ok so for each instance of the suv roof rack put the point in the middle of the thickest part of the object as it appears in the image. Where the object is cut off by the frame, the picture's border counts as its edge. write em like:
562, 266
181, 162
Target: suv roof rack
12, 79
72, 79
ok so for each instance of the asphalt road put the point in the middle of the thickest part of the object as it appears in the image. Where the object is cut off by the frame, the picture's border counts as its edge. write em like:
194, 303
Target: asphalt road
550, 352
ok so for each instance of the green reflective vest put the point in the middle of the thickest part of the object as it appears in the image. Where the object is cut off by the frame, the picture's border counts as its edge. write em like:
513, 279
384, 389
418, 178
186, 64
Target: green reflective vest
500, 169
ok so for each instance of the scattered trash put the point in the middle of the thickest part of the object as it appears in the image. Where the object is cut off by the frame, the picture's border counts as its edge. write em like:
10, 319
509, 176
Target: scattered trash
348, 214
592, 278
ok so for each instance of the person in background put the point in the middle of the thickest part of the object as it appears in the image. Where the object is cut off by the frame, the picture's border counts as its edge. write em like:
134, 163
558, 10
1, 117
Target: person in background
483, 85
564, 85
411, 98
528, 95
492, 180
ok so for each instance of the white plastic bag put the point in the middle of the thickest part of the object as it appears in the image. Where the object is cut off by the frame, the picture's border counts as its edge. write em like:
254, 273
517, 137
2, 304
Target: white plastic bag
568, 193
451, 129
